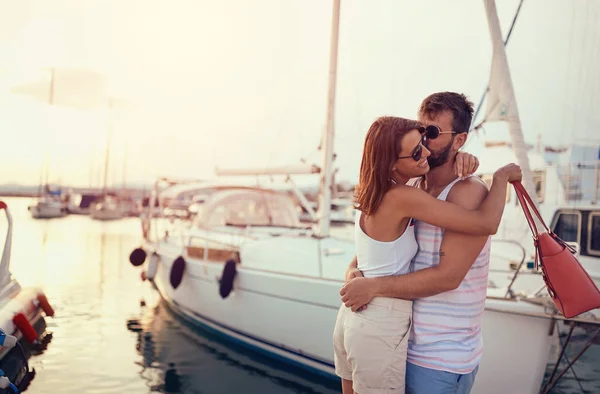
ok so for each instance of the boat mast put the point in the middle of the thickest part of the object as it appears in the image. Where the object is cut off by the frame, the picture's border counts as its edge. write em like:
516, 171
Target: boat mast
44, 174
505, 103
326, 183
110, 106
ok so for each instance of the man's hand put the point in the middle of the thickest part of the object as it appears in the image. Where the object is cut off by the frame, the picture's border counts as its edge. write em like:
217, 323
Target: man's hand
357, 293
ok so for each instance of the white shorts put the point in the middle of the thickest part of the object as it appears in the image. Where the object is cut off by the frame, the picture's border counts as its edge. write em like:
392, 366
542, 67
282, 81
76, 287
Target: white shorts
370, 346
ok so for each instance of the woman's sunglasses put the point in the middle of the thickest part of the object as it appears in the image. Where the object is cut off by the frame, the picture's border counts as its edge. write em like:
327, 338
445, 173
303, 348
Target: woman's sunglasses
431, 132
416, 153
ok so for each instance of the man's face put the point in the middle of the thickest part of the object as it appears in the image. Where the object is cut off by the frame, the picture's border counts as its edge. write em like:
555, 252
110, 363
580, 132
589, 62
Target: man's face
440, 147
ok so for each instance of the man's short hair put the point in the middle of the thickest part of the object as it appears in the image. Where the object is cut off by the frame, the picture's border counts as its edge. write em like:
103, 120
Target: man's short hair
457, 103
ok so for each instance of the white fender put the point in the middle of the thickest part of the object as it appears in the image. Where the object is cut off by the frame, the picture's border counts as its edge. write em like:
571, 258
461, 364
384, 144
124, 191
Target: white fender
153, 262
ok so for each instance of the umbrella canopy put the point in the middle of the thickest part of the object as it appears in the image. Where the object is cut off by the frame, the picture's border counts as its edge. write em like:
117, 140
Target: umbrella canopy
71, 87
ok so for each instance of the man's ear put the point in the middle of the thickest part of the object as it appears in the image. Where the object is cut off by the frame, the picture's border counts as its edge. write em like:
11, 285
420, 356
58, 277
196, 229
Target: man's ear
460, 140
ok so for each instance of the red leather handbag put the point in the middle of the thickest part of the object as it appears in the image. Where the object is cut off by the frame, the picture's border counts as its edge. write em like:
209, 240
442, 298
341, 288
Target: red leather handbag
571, 288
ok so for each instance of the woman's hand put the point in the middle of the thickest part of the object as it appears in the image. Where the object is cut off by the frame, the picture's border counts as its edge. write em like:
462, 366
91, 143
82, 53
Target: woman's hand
351, 274
509, 173
465, 164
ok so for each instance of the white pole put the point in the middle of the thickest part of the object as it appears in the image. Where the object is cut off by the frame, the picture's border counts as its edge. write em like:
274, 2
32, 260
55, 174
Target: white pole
5, 262
514, 122
327, 146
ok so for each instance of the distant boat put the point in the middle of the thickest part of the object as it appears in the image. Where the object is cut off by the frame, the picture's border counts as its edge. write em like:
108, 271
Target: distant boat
81, 203
107, 208
50, 204
48, 207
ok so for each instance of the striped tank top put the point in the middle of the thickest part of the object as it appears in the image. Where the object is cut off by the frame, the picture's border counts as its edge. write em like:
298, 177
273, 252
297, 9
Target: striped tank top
446, 333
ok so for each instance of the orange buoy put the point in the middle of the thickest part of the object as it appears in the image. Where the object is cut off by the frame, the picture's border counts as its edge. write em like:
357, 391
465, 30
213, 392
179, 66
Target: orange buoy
26, 328
45, 305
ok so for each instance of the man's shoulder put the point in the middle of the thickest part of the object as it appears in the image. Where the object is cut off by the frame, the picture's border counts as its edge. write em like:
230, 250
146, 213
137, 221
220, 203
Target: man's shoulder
468, 192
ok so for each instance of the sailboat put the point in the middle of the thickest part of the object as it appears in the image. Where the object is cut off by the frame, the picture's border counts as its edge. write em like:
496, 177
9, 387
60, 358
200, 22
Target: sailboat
49, 205
109, 207
245, 269
567, 194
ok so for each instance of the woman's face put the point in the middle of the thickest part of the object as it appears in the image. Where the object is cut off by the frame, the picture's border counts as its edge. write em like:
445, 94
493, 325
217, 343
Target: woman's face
412, 159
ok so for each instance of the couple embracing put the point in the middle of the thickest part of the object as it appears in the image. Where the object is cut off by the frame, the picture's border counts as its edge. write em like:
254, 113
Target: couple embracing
415, 292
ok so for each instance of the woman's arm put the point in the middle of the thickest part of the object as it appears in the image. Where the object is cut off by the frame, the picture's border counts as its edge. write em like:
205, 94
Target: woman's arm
416, 203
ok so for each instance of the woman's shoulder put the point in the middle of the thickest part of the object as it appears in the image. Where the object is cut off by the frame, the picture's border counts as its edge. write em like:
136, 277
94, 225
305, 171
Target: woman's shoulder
402, 190
399, 193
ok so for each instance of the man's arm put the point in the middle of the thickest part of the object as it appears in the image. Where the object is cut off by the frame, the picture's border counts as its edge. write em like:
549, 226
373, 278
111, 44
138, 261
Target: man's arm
457, 253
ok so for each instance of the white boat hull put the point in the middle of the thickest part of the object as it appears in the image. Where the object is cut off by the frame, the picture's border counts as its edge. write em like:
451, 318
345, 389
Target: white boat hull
291, 317
106, 214
40, 211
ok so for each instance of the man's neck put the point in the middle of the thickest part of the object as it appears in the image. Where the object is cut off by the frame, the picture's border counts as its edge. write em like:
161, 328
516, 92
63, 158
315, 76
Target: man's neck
440, 177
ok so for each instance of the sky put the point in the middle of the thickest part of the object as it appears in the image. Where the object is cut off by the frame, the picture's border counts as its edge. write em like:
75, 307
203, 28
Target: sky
243, 83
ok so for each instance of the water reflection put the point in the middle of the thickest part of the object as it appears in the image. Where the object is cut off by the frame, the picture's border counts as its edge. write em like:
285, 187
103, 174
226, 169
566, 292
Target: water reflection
176, 357
81, 265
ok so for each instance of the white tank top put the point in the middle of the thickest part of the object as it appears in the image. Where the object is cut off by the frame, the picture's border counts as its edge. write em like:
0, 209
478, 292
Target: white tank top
378, 258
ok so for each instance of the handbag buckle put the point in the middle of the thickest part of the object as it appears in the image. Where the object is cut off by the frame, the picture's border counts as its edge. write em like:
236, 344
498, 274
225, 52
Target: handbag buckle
536, 259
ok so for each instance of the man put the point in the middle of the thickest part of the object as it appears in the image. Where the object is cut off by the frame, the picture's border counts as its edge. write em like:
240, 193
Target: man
449, 279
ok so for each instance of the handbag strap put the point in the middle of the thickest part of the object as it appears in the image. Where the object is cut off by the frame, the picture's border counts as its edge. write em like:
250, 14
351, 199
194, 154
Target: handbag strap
526, 205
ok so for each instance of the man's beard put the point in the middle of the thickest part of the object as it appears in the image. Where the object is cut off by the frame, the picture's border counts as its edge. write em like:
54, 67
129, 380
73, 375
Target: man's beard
439, 158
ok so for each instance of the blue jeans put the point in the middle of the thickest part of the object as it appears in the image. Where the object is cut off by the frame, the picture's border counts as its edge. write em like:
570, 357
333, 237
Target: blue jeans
421, 380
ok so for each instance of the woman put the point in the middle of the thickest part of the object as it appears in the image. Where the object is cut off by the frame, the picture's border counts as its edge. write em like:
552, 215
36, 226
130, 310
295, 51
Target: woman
370, 346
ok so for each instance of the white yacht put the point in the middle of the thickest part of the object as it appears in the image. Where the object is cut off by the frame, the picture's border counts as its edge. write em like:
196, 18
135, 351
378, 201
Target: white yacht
48, 207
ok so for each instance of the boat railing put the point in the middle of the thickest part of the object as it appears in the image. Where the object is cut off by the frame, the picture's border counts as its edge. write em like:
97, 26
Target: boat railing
581, 181
523, 256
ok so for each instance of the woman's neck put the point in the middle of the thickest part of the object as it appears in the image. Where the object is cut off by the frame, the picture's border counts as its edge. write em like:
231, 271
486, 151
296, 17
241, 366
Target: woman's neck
398, 180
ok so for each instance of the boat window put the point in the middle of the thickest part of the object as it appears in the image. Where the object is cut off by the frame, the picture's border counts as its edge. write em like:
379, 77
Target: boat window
216, 217
253, 209
539, 181
249, 211
567, 226
283, 212
594, 234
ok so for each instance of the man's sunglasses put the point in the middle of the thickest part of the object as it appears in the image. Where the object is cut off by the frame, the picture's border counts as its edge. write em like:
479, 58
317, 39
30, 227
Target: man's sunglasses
431, 132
